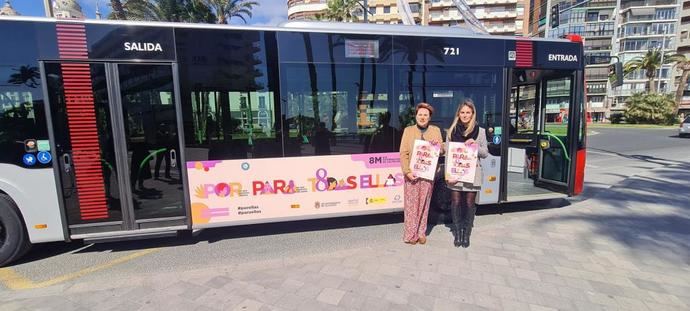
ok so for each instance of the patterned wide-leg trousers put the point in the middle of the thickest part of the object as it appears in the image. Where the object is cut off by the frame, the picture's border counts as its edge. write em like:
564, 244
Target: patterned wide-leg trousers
417, 200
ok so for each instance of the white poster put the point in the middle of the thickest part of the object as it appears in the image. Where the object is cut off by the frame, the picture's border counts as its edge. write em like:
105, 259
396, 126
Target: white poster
461, 162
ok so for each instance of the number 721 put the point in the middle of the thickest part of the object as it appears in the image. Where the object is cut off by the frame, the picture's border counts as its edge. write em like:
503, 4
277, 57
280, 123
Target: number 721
451, 51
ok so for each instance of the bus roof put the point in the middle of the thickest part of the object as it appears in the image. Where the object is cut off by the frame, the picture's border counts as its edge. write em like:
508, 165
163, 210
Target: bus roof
308, 26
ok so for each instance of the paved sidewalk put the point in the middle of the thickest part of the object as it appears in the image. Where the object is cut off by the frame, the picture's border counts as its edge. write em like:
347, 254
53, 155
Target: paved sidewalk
628, 248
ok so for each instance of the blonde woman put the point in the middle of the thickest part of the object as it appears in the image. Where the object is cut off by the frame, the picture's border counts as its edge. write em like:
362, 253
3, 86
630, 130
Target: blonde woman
465, 129
417, 190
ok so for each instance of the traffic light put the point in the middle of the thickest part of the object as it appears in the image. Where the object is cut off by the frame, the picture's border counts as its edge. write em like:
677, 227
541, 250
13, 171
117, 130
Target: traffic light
555, 15
616, 74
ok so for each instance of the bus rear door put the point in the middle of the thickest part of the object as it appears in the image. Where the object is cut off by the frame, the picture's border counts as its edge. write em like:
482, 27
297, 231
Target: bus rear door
116, 133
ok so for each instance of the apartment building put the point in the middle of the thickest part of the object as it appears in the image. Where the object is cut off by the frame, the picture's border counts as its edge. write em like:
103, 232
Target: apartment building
684, 48
305, 9
645, 25
623, 28
500, 17
595, 22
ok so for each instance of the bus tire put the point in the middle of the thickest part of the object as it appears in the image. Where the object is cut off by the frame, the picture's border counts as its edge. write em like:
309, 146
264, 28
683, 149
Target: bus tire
14, 242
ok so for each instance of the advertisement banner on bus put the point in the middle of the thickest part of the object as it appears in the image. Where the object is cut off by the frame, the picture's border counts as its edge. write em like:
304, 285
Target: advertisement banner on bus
260, 190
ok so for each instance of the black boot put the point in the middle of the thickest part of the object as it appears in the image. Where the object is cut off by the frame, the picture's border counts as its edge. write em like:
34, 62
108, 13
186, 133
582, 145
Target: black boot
459, 235
457, 227
469, 223
466, 237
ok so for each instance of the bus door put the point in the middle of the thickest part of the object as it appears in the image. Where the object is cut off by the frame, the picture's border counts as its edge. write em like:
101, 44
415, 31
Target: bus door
539, 155
116, 133
555, 155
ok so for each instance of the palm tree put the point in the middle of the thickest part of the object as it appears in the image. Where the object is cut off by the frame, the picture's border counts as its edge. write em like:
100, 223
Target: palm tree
196, 11
225, 10
341, 11
118, 10
27, 75
650, 62
190, 11
682, 63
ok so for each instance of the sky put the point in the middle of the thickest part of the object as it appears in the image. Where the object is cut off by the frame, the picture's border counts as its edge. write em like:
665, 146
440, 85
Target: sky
269, 12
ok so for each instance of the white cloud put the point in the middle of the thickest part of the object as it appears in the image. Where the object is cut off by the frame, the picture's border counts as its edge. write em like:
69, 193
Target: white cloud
272, 22
269, 12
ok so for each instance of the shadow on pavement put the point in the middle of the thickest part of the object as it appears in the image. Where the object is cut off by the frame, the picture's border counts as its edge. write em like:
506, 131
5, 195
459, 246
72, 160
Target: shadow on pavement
645, 158
437, 216
440, 215
648, 215
42, 251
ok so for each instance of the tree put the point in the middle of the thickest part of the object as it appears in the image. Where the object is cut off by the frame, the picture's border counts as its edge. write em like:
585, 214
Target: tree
225, 10
649, 108
650, 62
189, 11
196, 11
27, 75
118, 10
682, 63
340, 11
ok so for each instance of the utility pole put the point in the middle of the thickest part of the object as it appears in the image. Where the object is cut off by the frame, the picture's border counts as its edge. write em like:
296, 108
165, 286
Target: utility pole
48, 8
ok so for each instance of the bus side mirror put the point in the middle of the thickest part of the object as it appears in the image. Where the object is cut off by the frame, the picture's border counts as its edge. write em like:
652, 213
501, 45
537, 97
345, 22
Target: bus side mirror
616, 74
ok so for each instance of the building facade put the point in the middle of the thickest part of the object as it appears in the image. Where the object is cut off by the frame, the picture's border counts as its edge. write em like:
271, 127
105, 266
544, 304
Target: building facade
305, 9
8, 10
500, 17
68, 9
594, 21
645, 25
624, 28
684, 48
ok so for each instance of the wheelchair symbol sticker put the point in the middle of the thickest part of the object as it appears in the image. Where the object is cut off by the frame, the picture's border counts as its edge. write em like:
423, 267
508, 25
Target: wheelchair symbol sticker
44, 157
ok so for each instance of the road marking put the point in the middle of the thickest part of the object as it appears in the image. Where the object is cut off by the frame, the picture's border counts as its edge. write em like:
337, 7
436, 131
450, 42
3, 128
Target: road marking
15, 281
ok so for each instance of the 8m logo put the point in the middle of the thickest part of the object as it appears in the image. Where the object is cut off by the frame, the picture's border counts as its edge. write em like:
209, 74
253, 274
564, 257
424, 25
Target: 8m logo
375, 160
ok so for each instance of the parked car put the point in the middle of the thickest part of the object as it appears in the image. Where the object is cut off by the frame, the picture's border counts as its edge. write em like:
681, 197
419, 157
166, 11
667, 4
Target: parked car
684, 129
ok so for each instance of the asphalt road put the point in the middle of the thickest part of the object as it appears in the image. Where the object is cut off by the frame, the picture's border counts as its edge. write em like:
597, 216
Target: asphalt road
613, 154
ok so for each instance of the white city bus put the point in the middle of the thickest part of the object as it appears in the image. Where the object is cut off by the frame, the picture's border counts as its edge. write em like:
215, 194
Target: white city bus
112, 130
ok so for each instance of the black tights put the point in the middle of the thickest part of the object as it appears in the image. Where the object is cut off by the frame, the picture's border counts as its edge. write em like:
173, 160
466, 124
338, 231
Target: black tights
462, 207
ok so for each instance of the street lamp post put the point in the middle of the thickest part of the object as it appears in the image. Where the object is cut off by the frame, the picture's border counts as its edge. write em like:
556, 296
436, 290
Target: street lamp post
365, 9
48, 8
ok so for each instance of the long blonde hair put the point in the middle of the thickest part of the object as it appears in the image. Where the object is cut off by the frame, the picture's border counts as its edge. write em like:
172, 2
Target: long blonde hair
473, 121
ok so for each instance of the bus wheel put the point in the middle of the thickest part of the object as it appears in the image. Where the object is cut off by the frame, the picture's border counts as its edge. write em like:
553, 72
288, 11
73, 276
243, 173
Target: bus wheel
14, 242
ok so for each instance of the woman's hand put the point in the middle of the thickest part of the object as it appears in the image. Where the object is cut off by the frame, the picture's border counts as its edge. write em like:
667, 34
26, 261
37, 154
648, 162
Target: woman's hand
411, 176
451, 181
469, 142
